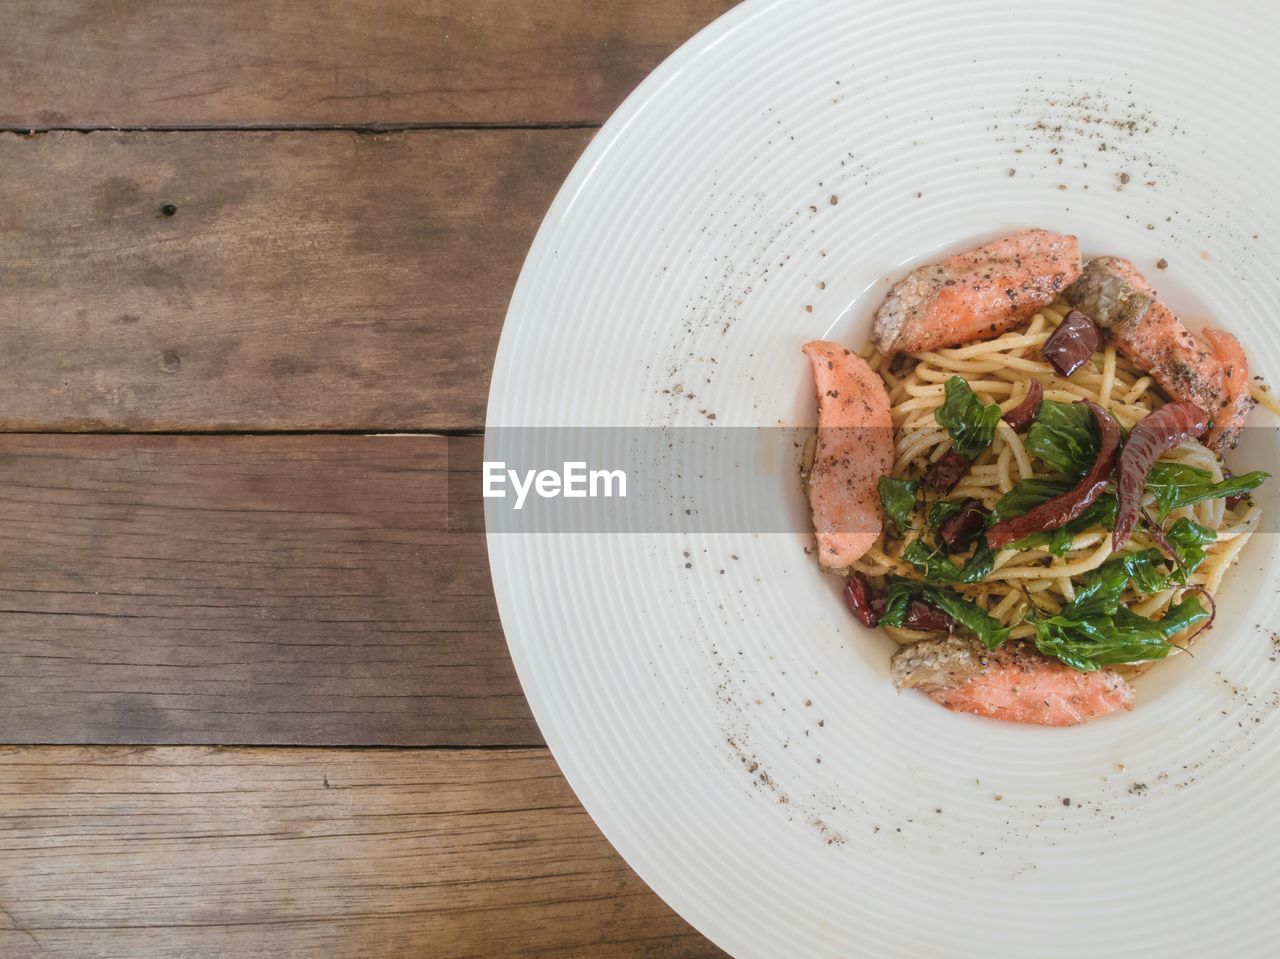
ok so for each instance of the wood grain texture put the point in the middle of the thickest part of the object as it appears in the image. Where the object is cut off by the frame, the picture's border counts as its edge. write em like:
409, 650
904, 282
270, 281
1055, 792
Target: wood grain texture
302, 281
250, 589
182, 852
68, 63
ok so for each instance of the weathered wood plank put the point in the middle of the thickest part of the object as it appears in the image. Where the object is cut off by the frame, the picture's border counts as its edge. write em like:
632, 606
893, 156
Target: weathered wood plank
245, 589
67, 63
301, 281
180, 852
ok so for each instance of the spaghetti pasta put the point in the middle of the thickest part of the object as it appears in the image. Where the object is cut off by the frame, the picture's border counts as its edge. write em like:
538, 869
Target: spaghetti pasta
999, 371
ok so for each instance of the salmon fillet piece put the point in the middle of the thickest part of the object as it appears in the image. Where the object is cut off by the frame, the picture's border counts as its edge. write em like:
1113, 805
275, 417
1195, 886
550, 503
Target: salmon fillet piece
855, 448
1211, 372
976, 295
1014, 683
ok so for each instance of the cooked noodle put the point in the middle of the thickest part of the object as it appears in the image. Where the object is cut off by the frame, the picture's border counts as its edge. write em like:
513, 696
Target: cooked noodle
1263, 396
1000, 371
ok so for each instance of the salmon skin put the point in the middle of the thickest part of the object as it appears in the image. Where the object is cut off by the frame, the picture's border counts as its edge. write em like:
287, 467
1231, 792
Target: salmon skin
855, 448
976, 295
1013, 683
1211, 372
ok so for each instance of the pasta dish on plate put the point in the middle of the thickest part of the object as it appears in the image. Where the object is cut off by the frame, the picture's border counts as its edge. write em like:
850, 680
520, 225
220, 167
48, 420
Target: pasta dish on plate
1022, 478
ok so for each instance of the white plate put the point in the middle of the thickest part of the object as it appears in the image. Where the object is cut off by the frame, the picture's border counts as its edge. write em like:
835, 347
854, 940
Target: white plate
697, 227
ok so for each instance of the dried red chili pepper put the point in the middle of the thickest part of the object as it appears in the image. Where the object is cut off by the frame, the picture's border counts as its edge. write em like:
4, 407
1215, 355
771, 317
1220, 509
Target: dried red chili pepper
857, 595
1020, 416
869, 608
1156, 432
1072, 343
920, 615
1060, 510
963, 526
943, 475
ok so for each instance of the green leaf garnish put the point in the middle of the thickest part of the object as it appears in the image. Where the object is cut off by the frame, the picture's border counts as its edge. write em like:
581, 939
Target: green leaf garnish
938, 568
973, 618
1186, 539
971, 423
1096, 630
943, 510
1025, 496
898, 596
1088, 644
898, 497
1065, 437
1185, 614
1098, 592
1175, 485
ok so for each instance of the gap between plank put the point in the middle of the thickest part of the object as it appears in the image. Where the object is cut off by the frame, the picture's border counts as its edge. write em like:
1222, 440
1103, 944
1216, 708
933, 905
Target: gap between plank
398, 127
461, 432
348, 747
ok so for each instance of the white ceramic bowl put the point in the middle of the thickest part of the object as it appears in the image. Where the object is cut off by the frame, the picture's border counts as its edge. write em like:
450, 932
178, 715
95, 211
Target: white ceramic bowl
735, 734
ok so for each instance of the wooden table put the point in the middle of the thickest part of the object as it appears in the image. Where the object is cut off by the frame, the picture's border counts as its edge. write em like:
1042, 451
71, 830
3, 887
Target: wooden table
256, 690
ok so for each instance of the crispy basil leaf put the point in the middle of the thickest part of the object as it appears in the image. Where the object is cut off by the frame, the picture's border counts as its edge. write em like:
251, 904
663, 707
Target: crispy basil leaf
901, 591
1096, 630
897, 598
942, 510
973, 618
1060, 541
1026, 495
1098, 593
898, 497
1175, 485
1184, 614
1124, 637
1178, 473
971, 423
1186, 539
1145, 571
1102, 513
1065, 437
938, 568
1055, 639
